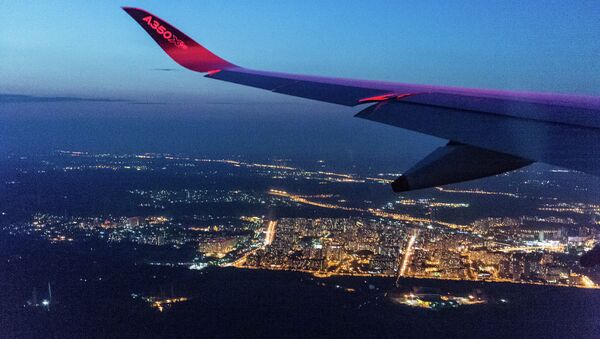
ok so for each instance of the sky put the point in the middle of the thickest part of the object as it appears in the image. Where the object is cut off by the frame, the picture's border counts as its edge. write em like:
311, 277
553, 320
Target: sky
83, 75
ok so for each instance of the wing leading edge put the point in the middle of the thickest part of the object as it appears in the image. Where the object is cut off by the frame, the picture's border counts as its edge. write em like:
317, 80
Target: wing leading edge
492, 131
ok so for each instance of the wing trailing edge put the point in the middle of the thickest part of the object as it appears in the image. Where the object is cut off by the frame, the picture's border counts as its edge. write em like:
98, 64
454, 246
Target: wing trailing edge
455, 163
569, 145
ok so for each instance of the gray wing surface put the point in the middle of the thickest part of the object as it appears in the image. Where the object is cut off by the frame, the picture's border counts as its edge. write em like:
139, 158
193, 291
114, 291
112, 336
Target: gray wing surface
491, 131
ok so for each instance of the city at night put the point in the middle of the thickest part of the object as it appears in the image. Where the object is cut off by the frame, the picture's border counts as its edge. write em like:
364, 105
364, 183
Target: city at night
141, 198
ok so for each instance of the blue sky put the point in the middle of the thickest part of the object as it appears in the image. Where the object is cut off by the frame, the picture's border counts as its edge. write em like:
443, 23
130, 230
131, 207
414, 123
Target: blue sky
92, 49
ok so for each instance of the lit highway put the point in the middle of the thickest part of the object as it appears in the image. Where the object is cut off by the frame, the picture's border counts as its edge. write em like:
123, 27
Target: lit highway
408, 253
372, 211
270, 234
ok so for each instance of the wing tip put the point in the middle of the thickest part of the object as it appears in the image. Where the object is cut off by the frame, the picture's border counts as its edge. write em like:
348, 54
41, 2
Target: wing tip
130, 9
180, 47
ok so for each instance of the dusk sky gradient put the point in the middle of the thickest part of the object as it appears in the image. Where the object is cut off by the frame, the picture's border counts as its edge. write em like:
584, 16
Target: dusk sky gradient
93, 50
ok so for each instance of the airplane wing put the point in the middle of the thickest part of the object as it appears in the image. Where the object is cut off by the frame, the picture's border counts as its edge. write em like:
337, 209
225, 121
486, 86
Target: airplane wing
490, 131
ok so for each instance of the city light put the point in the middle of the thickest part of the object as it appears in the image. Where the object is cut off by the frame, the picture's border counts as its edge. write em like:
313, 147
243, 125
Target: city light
402, 237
